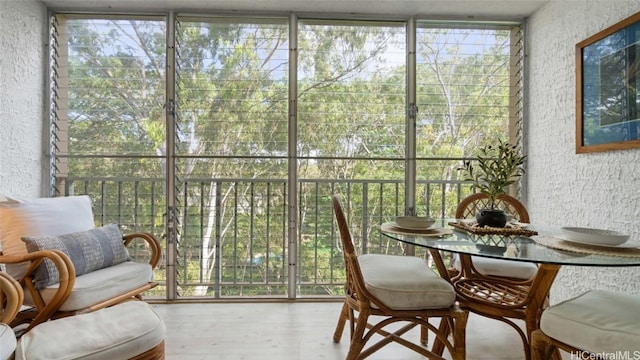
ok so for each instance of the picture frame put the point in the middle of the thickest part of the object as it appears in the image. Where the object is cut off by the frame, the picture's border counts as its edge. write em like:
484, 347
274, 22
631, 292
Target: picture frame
608, 88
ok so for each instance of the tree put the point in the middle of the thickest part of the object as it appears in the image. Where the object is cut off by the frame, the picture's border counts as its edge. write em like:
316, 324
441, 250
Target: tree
463, 96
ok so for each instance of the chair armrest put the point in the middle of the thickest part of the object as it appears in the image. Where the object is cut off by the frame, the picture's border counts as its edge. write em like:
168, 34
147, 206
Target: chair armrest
66, 276
11, 298
152, 243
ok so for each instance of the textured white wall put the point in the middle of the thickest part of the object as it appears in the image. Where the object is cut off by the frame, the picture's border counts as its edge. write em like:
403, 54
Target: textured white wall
600, 190
21, 97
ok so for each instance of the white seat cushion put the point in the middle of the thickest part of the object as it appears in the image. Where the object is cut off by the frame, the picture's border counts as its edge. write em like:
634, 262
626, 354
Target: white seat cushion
405, 282
118, 332
504, 268
597, 321
100, 285
7, 341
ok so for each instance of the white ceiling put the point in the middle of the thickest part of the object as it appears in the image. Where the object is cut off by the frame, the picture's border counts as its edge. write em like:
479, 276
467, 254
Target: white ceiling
480, 9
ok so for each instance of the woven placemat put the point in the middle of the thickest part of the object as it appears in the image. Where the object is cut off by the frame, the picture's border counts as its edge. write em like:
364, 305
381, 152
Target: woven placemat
555, 243
491, 230
391, 227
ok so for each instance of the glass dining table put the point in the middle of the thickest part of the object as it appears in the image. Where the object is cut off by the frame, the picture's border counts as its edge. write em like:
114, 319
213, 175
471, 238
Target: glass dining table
501, 298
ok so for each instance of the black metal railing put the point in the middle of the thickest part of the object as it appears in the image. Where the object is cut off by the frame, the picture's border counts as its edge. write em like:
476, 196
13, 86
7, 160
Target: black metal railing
233, 233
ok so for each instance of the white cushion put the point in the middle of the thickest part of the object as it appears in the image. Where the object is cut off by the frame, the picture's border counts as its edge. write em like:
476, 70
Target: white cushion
96, 286
405, 282
597, 321
40, 217
7, 341
504, 268
118, 332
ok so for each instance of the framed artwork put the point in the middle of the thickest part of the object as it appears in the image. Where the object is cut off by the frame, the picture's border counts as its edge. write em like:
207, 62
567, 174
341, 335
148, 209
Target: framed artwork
608, 88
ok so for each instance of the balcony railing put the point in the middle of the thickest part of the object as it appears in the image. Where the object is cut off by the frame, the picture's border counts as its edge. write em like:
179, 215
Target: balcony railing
232, 238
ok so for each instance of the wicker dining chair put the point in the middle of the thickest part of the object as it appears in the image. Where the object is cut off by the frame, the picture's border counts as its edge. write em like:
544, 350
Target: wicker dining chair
499, 289
513, 270
373, 284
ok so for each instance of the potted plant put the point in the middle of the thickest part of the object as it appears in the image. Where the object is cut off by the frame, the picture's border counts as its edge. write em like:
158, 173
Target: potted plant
497, 167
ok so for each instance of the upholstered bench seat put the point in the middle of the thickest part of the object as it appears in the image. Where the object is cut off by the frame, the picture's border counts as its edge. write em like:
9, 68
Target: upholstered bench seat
122, 331
405, 282
100, 285
597, 321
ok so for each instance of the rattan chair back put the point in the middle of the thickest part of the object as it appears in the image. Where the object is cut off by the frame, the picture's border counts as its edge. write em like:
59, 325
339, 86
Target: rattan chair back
355, 287
469, 206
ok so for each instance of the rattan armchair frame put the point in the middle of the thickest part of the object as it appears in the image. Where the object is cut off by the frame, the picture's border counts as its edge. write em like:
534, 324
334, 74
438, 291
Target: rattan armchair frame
360, 305
43, 310
11, 298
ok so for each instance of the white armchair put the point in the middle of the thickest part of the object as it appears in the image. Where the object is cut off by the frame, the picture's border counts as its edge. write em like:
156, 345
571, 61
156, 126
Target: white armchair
64, 263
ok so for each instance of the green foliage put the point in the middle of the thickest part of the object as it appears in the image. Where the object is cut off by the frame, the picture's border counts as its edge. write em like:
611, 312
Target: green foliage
233, 123
498, 166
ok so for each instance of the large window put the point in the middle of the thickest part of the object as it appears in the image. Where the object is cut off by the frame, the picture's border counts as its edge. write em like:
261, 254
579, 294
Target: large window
204, 150
231, 115
108, 124
351, 130
469, 91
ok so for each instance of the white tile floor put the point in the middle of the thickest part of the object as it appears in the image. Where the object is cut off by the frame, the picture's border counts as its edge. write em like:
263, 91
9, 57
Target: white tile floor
294, 331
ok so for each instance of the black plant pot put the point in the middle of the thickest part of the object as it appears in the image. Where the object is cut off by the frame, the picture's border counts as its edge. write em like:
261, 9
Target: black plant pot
491, 218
